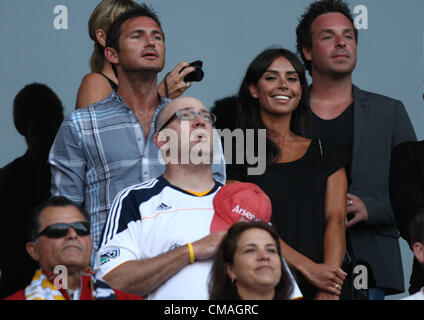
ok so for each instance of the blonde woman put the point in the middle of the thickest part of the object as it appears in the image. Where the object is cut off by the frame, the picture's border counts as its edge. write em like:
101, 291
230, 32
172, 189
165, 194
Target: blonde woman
102, 80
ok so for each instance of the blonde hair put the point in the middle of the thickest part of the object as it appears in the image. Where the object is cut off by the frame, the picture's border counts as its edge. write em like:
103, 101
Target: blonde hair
101, 18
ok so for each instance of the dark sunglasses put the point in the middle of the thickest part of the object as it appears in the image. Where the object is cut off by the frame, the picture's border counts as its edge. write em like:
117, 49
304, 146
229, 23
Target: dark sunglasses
59, 230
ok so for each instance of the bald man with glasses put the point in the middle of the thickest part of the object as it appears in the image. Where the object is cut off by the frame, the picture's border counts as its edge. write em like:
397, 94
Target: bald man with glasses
156, 241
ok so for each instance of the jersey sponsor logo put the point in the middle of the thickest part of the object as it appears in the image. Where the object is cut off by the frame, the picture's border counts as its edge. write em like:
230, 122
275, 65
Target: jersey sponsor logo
109, 255
163, 206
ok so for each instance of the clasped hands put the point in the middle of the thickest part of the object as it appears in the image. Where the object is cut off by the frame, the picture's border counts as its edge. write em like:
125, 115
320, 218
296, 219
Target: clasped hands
328, 279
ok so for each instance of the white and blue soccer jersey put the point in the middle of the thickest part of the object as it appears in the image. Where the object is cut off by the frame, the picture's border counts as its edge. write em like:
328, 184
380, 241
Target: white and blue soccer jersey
150, 219
153, 218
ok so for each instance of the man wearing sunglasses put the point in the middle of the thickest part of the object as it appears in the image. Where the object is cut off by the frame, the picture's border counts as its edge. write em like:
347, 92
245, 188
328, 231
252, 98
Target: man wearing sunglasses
62, 245
156, 241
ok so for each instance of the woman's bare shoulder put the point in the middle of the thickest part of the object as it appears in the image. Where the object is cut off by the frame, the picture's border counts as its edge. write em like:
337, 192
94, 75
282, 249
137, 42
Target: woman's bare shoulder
93, 87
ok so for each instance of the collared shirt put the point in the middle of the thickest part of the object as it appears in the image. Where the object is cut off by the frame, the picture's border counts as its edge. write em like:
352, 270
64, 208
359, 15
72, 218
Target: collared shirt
100, 150
416, 296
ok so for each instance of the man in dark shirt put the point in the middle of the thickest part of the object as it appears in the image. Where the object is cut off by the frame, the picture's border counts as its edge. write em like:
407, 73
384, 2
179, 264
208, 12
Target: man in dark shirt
365, 127
407, 195
341, 143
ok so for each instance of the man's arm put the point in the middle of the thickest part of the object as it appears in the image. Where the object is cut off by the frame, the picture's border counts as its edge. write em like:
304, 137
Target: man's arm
403, 130
67, 164
376, 209
379, 207
120, 261
144, 276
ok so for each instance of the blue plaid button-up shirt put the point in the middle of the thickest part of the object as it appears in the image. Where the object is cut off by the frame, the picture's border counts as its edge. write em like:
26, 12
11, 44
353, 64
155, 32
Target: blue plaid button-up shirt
100, 150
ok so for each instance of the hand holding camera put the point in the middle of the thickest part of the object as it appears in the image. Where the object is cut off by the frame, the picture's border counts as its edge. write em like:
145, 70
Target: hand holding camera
196, 75
180, 78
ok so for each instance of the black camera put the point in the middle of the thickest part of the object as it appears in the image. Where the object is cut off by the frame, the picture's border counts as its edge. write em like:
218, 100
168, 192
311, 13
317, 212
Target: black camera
196, 75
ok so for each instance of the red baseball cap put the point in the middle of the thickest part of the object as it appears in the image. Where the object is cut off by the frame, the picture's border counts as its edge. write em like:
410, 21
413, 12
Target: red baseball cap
239, 201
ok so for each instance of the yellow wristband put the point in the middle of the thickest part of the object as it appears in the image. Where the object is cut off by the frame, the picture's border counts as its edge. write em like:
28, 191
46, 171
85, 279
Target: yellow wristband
191, 252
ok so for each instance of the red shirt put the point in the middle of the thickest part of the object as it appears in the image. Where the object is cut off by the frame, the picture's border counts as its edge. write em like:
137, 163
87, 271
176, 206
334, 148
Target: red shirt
86, 293
120, 295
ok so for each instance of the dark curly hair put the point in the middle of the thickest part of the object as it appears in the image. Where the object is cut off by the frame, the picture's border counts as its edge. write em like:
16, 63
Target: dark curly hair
315, 9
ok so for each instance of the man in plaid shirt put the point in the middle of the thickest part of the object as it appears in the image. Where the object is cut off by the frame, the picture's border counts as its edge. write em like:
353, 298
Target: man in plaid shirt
108, 146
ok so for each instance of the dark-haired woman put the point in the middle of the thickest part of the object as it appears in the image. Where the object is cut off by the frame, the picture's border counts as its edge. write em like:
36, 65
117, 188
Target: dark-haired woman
249, 265
307, 185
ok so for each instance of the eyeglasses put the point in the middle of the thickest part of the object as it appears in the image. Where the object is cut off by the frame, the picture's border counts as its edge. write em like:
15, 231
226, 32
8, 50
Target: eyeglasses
190, 115
59, 230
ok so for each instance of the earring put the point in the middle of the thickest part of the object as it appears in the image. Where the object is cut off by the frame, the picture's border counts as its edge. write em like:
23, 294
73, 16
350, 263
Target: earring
254, 96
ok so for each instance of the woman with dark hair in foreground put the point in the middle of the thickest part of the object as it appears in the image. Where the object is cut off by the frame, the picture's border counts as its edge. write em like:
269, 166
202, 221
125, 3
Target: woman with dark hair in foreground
249, 266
